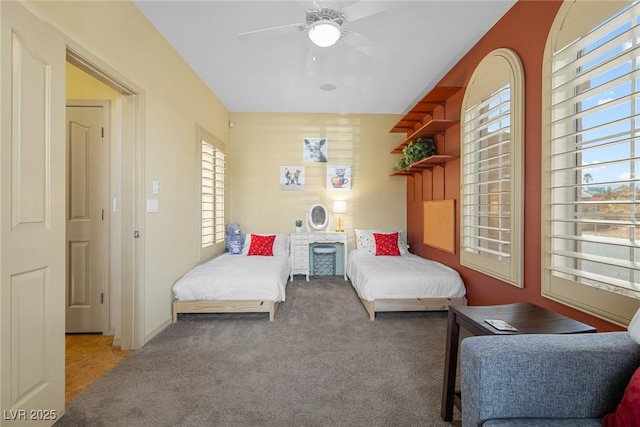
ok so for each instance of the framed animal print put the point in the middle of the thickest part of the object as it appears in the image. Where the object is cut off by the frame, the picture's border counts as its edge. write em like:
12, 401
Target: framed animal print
292, 178
339, 177
314, 149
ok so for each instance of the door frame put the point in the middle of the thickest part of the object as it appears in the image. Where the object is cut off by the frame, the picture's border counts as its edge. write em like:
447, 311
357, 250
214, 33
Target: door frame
128, 126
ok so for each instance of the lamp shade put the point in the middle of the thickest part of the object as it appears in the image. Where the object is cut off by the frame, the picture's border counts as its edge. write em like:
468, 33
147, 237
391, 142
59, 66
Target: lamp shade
339, 206
324, 33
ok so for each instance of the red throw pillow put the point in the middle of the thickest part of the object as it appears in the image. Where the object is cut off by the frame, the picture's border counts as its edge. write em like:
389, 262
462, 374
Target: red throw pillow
627, 414
261, 245
386, 244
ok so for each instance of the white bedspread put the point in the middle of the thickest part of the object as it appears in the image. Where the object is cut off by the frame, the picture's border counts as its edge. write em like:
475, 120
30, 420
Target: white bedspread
235, 277
401, 277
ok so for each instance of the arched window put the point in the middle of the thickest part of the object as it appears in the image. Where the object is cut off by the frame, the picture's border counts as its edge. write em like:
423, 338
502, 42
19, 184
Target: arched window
491, 168
591, 159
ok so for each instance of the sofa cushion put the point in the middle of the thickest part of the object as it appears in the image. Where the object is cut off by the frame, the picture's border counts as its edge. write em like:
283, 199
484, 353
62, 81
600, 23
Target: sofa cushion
634, 327
627, 414
542, 422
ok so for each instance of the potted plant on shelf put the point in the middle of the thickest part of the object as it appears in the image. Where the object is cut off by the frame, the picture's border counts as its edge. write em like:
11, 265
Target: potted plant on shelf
415, 151
401, 164
298, 225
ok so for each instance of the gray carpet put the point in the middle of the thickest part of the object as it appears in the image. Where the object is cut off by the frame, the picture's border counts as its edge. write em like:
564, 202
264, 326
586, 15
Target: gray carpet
322, 362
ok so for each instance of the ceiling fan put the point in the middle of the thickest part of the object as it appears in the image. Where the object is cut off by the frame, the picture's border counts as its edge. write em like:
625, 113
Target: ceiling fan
324, 27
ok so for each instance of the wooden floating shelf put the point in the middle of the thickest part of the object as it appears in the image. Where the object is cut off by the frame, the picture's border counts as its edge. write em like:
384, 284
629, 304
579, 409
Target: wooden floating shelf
433, 127
427, 163
436, 97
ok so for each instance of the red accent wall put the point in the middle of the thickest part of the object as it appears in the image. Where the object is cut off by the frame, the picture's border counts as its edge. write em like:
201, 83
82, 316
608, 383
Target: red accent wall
524, 29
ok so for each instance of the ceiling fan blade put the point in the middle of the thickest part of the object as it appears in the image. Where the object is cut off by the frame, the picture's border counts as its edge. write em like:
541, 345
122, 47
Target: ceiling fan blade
311, 66
281, 30
365, 45
365, 8
309, 4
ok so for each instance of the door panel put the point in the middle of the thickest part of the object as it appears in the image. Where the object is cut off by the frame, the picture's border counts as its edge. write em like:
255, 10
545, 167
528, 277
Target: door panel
32, 194
87, 222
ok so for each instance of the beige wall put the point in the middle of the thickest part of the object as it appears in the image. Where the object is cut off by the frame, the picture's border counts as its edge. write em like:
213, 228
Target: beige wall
261, 143
117, 34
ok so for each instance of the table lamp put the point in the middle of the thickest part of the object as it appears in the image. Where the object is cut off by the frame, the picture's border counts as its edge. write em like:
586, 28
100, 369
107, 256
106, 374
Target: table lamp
339, 208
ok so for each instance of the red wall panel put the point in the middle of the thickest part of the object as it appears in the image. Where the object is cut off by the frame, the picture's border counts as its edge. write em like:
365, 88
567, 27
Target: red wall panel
524, 29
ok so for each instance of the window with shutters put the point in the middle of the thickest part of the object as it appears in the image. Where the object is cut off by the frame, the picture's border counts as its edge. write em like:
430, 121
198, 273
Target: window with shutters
591, 185
212, 195
491, 168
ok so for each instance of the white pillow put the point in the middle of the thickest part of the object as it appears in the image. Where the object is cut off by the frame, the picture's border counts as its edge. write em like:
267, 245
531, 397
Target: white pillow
367, 243
634, 327
280, 244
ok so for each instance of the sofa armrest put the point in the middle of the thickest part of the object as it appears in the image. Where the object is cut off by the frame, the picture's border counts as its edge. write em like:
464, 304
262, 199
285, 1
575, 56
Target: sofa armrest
545, 376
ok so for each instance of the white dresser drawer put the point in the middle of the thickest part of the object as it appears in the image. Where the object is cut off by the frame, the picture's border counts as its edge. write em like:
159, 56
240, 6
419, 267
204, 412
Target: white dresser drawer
301, 265
328, 237
300, 260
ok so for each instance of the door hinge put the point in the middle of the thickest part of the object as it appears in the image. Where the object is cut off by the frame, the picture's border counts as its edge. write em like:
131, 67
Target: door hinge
102, 214
101, 297
102, 132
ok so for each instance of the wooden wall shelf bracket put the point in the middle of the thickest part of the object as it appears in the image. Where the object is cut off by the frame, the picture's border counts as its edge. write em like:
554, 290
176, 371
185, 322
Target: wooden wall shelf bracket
427, 163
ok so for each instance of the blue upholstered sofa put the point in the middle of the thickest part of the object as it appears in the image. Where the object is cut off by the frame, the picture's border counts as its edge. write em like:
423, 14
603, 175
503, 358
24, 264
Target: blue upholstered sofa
544, 380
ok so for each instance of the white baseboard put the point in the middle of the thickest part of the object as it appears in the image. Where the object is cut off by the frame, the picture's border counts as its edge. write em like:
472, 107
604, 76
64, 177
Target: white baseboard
149, 336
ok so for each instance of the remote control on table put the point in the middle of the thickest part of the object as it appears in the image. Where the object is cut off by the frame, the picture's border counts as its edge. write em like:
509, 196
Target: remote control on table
501, 325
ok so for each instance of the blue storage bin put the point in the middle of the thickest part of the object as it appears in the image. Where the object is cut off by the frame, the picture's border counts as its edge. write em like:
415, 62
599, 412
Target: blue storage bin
324, 261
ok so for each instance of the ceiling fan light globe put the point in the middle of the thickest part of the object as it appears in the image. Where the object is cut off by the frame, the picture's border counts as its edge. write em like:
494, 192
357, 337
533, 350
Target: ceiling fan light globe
324, 33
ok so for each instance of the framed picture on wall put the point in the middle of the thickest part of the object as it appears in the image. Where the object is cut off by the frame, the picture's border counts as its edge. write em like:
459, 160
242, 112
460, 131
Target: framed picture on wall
292, 178
314, 149
339, 177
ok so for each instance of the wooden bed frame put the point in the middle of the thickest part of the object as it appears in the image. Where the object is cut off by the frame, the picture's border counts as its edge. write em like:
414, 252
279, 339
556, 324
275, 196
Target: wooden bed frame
231, 306
414, 304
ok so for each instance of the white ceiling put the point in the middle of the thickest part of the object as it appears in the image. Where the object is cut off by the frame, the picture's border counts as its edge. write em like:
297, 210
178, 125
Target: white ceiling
413, 45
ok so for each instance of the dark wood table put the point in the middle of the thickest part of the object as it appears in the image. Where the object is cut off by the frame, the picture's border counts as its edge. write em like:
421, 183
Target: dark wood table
527, 318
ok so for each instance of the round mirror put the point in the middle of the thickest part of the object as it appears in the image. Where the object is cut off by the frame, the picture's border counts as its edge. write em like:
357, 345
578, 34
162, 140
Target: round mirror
318, 217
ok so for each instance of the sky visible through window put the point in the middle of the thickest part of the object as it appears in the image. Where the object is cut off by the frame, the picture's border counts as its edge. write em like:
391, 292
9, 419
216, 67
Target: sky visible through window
610, 119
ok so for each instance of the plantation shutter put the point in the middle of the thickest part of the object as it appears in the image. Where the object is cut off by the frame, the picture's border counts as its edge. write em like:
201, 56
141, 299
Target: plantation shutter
212, 197
594, 152
486, 228
491, 169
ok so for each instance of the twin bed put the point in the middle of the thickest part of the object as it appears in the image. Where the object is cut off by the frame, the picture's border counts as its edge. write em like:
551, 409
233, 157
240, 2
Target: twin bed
256, 282
399, 280
248, 282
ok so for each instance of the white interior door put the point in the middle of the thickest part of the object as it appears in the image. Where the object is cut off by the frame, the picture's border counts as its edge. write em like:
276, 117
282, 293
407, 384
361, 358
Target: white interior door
87, 217
32, 218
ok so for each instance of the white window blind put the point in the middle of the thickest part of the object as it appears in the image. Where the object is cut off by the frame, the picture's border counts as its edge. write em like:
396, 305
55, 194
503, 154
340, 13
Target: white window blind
486, 228
491, 170
593, 152
213, 177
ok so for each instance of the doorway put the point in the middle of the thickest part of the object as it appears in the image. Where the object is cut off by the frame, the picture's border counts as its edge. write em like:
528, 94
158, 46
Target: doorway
126, 194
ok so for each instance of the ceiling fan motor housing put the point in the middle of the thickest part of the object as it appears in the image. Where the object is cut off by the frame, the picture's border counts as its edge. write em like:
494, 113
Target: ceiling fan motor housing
324, 14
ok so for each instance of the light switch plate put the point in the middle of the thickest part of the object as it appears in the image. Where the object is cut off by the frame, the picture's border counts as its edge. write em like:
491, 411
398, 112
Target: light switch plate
152, 205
